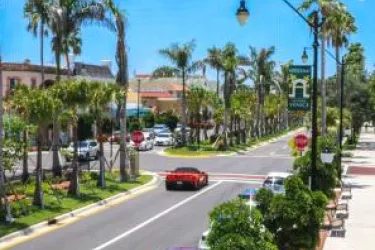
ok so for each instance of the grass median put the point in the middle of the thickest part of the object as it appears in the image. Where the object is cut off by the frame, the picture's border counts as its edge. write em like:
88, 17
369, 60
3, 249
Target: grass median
205, 149
57, 203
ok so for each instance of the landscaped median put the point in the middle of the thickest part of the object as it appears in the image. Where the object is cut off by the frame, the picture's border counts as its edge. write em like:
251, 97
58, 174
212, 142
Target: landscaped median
58, 202
206, 149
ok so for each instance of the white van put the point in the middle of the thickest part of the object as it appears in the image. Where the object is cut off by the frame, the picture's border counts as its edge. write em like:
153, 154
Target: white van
275, 182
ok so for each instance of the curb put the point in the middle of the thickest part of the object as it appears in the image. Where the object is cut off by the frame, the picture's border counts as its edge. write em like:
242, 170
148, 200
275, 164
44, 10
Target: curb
264, 143
248, 149
77, 212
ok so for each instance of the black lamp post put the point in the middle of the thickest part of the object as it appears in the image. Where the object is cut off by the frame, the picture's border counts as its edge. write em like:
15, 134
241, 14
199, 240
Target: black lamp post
139, 90
341, 95
242, 15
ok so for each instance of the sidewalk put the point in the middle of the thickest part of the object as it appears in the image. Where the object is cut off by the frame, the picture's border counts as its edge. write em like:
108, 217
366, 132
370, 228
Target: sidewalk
360, 226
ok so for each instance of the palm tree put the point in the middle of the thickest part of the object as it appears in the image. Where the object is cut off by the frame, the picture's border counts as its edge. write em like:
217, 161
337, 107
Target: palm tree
41, 107
326, 8
74, 95
101, 95
123, 81
181, 57
37, 12
340, 25
214, 60
66, 20
230, 62
261, 72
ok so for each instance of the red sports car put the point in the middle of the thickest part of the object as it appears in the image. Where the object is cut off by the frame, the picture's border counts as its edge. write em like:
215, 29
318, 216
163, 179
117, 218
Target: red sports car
184, 176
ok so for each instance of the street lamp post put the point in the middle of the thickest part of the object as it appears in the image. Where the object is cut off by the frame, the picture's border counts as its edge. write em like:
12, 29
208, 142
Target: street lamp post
139, 90
242, 15
341, 95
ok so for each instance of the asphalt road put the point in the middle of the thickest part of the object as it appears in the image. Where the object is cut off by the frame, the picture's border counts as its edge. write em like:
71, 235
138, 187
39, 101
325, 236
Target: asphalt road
159, 219
153, 221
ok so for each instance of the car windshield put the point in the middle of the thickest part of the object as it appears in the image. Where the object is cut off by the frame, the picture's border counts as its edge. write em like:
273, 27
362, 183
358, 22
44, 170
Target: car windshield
164, 135
82, 144
159, 127
186, 169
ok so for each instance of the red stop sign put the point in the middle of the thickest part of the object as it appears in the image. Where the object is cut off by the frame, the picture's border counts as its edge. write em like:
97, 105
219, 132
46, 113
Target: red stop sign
301, 141
137, 137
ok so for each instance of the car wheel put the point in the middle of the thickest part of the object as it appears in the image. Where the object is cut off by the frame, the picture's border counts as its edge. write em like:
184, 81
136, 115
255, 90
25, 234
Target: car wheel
168, 186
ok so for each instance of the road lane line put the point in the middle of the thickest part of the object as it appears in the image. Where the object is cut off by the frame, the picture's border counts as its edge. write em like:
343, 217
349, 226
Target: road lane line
152, 219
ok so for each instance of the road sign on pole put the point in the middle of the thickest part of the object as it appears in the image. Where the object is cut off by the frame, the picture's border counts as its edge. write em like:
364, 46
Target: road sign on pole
299, 89
301, 141
137, 137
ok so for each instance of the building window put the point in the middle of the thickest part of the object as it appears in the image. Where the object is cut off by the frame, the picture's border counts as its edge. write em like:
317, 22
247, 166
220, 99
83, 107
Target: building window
33, 82
13, 82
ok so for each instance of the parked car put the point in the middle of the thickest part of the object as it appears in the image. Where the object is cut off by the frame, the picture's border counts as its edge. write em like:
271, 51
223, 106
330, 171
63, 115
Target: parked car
149, 132
186, 176
158, 128
179, 128
147, 144
275, 182
86, 149
164, 139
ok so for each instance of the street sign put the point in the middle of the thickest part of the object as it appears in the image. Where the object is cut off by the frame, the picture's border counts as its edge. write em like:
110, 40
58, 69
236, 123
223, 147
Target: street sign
137, 137
299, 88
301, 141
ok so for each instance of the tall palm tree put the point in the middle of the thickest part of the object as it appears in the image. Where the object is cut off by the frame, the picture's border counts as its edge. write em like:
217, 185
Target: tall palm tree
326, 7
66, 20
36, 11
261, 72
340, 25
230, 62
101, 95
122, 80
214, 60
181, 57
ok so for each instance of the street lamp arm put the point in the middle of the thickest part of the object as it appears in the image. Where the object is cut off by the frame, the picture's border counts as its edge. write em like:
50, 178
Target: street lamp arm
299, 13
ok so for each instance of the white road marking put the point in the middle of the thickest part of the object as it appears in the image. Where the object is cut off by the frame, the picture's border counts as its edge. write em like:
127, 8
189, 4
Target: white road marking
145, 223
285, 147
272, 153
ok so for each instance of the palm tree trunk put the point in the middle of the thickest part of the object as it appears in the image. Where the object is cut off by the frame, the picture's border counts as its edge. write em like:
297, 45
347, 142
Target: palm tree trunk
74, 180
124, 159
68, 64
4, 204
217, 83
42, 51
323, 84
56, 168
101, 180
38, 192
25, 165
226, 111
184, 118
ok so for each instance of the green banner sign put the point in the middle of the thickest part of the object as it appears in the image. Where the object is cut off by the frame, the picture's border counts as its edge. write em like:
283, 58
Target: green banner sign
299, 88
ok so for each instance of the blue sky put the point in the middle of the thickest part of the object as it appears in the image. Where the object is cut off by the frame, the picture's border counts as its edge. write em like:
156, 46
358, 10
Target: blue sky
155, 24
